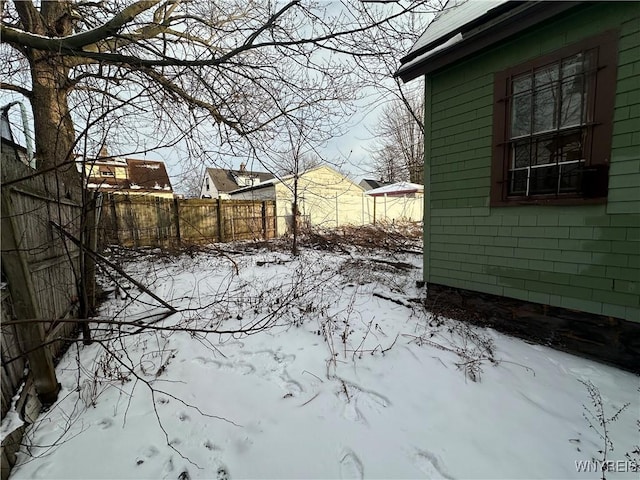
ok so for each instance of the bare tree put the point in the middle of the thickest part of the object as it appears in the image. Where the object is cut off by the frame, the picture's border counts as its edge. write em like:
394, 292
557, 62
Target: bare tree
298, 155
387, 168
386, 45
190, 182
398, 151
221, 74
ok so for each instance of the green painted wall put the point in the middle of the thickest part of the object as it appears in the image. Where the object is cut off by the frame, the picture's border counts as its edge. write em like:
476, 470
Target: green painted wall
578, 257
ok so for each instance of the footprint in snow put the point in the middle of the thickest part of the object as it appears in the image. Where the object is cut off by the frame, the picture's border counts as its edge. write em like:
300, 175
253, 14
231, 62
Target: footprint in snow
146, 453
270, 361
105, 423
350, 466
167, 468
360, 400
429, 464
211, 446
353, 413
242, 368
223, 474
291, 387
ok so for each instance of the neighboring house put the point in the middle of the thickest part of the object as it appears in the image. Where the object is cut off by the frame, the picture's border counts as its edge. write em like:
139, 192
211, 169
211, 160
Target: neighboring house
127, 176
532, 167
218, 182
368, 184
328, 199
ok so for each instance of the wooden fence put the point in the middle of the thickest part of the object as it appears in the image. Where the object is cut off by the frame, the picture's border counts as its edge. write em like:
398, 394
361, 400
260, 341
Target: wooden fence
153, 221
39, 281
12, 373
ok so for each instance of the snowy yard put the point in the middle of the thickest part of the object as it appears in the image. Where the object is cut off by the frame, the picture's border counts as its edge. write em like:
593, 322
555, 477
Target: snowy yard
344, 375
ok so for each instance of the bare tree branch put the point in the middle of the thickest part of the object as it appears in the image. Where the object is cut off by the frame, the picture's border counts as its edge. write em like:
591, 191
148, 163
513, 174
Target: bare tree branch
16, 88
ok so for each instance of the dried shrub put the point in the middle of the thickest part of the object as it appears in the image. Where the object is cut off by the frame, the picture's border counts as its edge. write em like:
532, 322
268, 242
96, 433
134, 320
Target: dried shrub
405, 237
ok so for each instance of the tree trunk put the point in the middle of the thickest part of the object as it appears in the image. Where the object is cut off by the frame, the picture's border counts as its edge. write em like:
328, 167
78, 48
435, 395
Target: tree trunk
53, 127
52, 124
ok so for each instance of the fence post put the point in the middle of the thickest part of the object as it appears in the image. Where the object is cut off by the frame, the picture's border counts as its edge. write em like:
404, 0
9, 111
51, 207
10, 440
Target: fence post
220, 222
264, 220
274, 205
375, 201
114, 215
31, 332
176, 217
386, 200
159, 223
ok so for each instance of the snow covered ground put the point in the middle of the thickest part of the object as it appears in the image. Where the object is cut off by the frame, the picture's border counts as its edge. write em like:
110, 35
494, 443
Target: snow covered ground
350, 378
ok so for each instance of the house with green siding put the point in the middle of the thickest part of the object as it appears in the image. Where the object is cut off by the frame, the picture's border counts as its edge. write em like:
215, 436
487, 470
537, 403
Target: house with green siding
532, 168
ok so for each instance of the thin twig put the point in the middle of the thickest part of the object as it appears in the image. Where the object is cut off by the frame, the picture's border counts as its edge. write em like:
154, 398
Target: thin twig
310, 400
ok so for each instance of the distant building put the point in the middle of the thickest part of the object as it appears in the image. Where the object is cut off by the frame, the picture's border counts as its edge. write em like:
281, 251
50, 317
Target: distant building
127, 176
218, 182
400, 189
326, 198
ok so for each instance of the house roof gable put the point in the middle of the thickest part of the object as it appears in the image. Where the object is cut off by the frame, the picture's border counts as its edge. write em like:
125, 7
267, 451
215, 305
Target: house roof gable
142, 175
466, 27
333, 172
148, 174
369, 184
274, 181
455, 15
224, 179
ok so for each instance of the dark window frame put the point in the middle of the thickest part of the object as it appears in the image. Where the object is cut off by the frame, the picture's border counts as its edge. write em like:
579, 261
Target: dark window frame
598, 129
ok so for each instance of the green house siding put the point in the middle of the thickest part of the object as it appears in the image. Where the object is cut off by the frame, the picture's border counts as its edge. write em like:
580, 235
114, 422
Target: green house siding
578, 257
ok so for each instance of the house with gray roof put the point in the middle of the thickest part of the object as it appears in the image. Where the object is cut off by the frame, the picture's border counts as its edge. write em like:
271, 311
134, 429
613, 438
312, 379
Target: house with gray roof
218, 182
370, 184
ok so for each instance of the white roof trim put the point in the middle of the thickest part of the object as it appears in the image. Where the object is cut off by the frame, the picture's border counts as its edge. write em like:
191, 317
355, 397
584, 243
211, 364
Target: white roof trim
399, 187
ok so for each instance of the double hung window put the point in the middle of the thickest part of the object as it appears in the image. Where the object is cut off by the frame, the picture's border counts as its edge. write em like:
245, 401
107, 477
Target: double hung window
552, 125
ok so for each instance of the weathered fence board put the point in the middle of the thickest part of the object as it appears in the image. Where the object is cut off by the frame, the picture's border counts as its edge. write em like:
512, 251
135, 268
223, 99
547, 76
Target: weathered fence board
42, 271
151, 221
12, 373
198, 220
